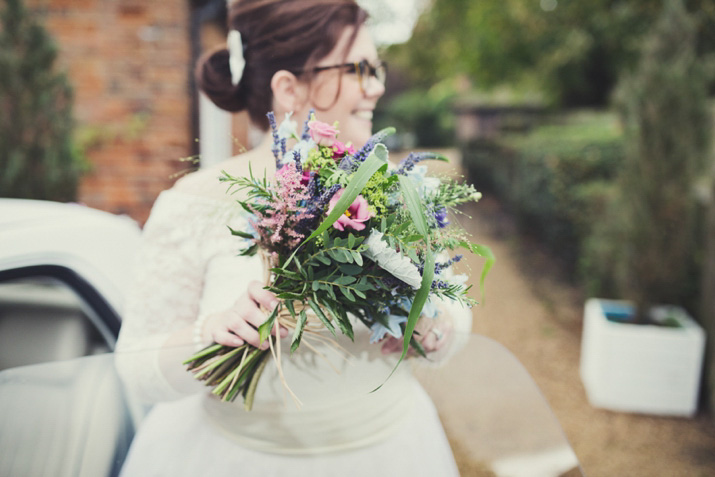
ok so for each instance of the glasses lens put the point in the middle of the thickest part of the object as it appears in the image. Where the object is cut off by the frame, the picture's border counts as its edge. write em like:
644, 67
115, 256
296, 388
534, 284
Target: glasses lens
365, 70
381, 72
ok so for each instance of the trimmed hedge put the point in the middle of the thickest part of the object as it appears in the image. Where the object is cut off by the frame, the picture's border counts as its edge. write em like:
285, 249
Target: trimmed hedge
557, 180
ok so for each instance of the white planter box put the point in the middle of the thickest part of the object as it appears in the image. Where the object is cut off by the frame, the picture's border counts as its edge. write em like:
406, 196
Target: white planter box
641, 368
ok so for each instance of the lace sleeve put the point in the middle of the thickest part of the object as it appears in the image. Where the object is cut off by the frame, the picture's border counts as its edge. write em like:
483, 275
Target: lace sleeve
183, 234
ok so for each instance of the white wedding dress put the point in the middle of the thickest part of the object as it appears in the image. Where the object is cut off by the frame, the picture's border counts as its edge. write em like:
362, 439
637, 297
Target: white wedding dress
188, 266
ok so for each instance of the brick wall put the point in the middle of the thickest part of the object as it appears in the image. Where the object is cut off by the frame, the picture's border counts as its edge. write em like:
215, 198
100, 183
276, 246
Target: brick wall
129, 63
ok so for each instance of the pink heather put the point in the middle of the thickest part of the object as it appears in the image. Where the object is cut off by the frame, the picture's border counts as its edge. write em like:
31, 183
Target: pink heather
275, 224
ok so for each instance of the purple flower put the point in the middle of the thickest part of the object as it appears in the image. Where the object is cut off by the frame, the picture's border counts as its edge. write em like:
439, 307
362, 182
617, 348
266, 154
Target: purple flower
440, 215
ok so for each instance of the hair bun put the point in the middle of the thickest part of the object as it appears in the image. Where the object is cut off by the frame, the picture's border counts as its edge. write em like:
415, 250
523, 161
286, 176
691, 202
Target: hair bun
213, 75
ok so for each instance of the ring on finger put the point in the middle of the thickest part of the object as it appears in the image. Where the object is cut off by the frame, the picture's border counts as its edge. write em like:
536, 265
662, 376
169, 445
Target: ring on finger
437, 333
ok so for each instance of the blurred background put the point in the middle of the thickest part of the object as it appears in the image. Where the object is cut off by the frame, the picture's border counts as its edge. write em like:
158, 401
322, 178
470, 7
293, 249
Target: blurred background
587, 125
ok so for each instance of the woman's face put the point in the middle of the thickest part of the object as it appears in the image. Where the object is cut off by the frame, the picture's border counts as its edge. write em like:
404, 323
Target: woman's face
336, 94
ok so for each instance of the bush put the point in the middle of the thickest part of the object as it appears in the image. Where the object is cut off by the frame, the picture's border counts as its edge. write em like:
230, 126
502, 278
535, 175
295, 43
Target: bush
37, 157
425, 117
667, 129
554, 178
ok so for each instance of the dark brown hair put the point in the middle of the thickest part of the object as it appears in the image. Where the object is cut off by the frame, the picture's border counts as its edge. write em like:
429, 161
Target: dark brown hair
290, 35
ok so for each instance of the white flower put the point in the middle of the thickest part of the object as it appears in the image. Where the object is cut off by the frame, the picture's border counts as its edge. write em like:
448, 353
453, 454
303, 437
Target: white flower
236, 62
302, 148
287, 128
425, 184
392, 261
460, 279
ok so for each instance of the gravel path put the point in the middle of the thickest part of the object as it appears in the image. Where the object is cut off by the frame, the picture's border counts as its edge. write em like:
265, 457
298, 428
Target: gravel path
538, 318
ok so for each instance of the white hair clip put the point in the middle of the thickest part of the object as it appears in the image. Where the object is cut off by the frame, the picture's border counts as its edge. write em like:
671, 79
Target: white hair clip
236, 62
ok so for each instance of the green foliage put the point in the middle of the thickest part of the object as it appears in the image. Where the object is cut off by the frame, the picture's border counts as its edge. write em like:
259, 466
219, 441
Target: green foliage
575, 52
554, 178
424, 113
667, 129
37, 156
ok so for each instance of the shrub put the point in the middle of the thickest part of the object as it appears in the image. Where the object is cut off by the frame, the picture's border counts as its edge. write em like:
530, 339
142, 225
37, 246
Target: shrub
667, 128
37, 156
426, 116
553, 177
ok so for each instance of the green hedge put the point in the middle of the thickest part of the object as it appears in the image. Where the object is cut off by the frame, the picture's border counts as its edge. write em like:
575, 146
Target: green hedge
557, 181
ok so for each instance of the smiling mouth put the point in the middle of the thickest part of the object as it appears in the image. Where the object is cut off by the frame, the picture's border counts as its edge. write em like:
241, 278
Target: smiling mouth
364, 114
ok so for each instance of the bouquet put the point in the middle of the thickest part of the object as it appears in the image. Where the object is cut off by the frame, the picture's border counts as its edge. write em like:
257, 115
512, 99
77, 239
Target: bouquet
336, 225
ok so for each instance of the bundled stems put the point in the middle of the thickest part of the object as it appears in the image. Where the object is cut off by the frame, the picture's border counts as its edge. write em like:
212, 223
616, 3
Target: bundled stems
231, 371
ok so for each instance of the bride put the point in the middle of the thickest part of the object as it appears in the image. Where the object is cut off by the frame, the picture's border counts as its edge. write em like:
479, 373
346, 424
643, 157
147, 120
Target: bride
191, 289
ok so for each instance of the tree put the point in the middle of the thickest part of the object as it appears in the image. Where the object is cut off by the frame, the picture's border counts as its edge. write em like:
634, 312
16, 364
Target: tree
667, 127
37, 157
573, 51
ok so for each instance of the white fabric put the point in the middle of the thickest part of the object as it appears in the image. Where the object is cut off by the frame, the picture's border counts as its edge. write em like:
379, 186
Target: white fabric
188, 265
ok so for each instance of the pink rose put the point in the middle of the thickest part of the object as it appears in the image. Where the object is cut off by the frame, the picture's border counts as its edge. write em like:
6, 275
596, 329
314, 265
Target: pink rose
354, 217
323, 134
340, 149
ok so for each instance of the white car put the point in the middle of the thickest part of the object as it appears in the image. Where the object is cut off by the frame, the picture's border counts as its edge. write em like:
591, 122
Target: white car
64, 269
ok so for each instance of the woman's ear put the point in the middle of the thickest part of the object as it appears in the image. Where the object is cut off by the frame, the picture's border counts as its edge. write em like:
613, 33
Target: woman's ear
289, 94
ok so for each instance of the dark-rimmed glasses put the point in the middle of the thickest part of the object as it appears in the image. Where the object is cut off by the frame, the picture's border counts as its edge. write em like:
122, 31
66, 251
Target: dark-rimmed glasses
364, 70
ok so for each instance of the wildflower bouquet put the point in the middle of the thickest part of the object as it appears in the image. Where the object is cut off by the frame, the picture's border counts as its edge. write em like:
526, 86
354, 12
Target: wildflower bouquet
335, 225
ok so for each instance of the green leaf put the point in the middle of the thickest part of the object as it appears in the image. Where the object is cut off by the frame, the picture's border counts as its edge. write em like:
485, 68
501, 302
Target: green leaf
482, 251
357, 256
350, 269
298, 332
414, 205
323, 259
343, 322
291, 309
239, 233
347, 293
265, 329
345, 280
319, 313
412, 238
417, 305
419, 301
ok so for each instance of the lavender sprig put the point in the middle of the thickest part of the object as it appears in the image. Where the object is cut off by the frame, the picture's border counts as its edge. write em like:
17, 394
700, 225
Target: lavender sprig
349, 164
306, 130
408, 163
298, 165
439, 267
276, 140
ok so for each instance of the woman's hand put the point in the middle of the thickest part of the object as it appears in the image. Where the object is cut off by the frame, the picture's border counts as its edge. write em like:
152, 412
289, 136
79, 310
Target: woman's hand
433, 333
239, 324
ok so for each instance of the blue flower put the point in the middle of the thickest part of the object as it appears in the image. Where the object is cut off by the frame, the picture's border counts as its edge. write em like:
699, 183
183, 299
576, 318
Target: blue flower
440, 215
393, 328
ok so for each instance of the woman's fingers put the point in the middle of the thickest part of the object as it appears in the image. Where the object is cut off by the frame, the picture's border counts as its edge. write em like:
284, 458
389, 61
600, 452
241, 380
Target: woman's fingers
224, 337
267, 301
243, 329
262, 297
429, 341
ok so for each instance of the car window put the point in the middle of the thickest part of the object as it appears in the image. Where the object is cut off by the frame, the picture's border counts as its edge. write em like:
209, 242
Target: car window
42, 319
